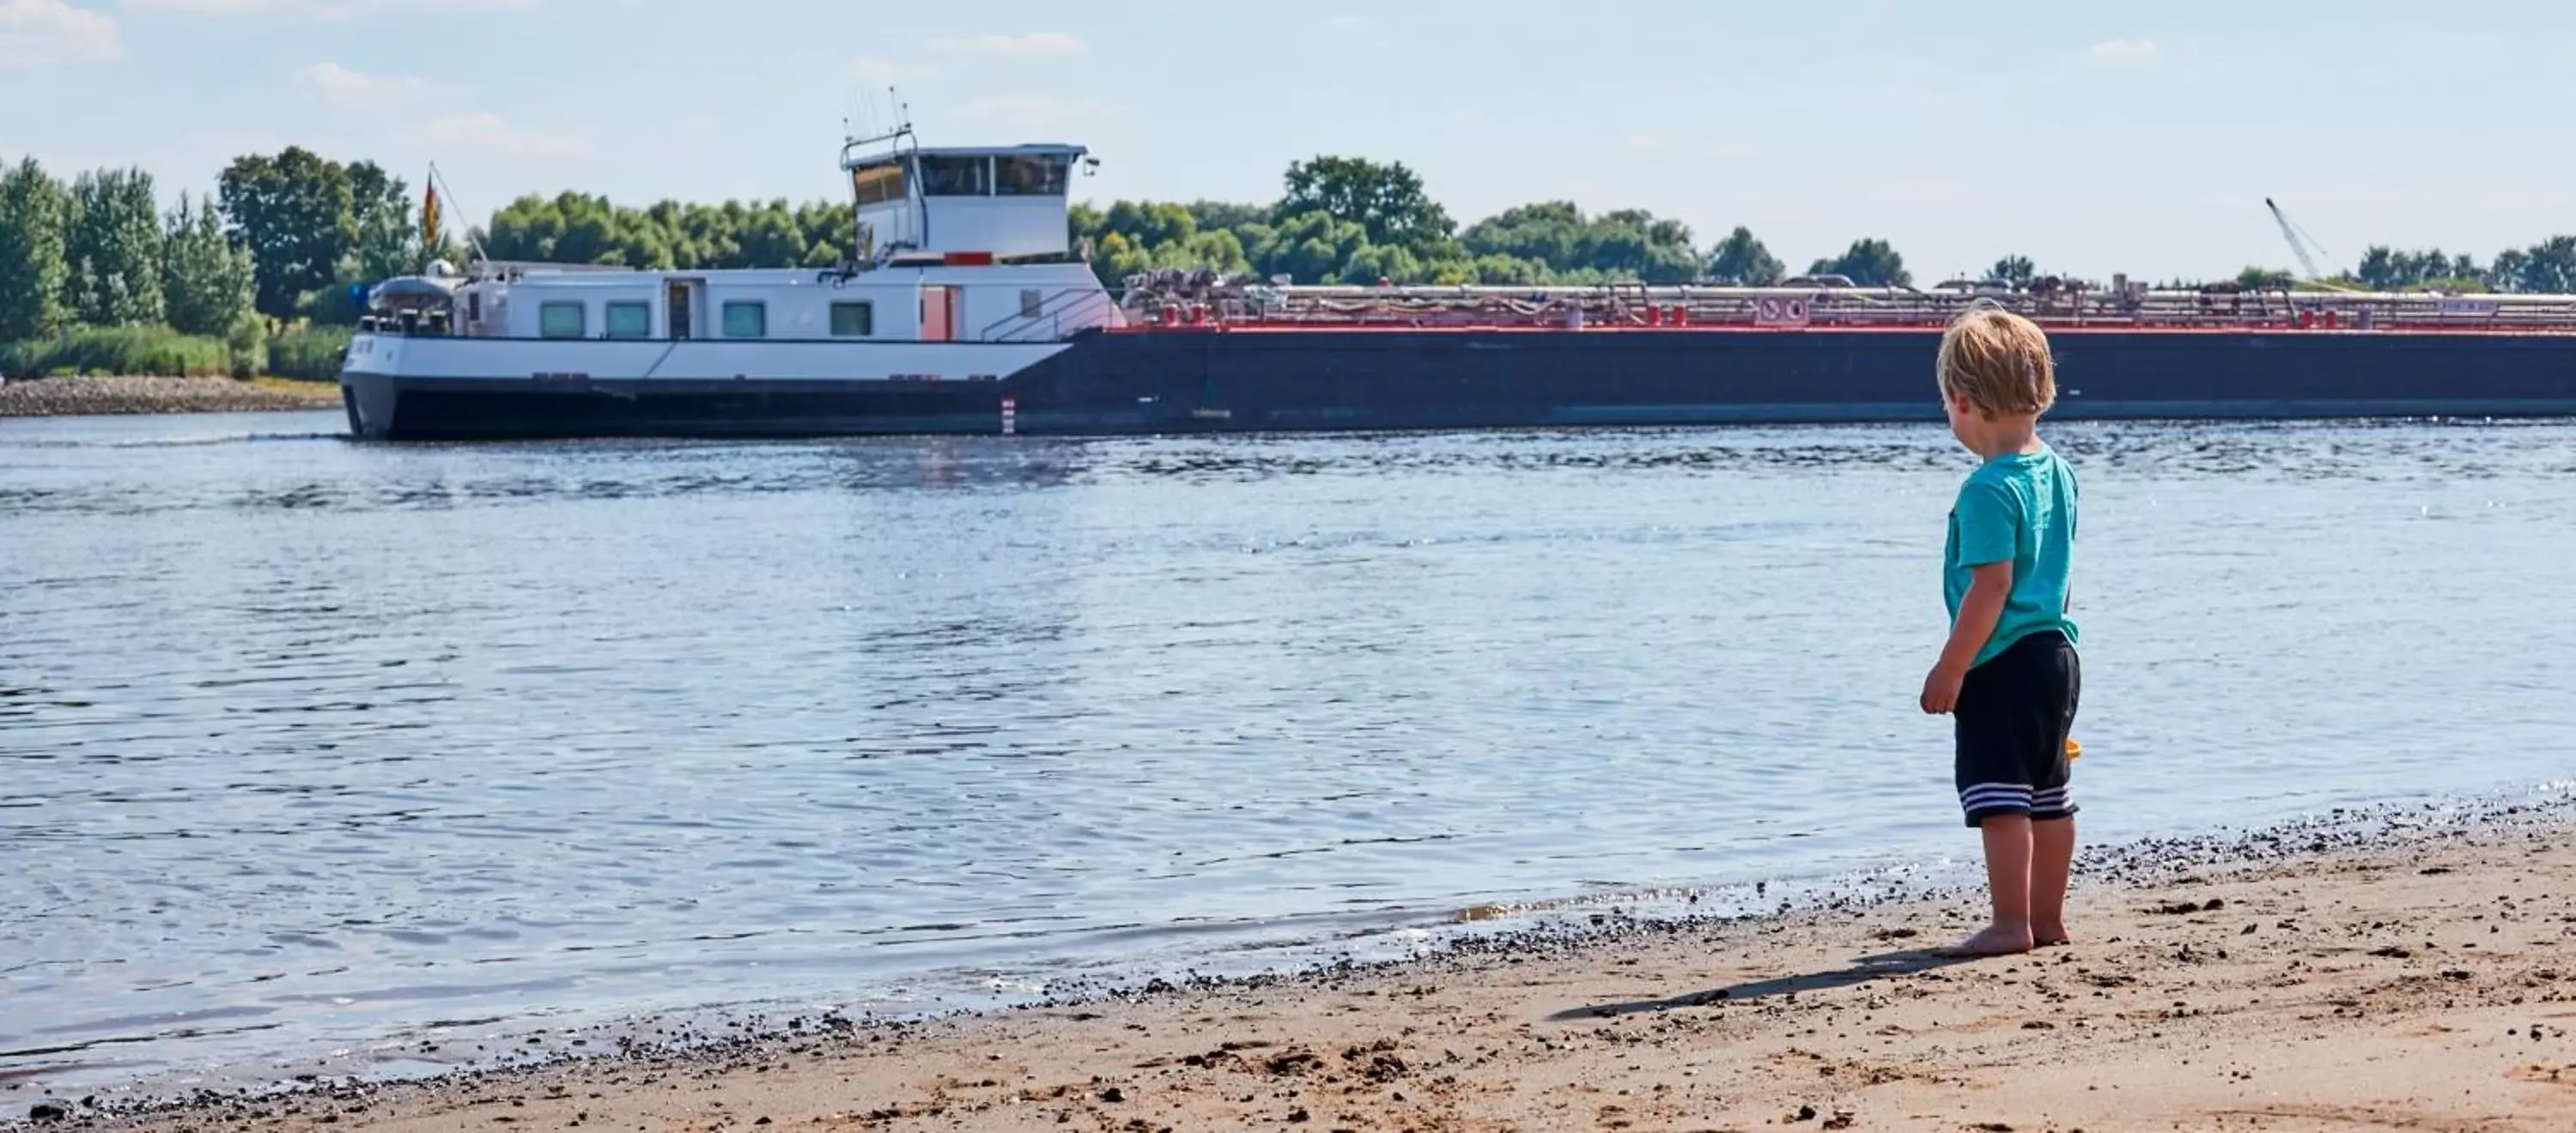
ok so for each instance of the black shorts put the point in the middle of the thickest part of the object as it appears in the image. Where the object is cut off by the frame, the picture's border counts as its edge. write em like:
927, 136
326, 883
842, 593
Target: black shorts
2012, 719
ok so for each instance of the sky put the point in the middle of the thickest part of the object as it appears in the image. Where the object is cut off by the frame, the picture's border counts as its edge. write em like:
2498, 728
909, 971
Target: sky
2094, 138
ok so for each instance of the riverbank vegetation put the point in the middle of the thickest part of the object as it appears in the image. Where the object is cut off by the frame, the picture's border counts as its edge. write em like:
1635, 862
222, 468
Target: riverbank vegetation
268, 272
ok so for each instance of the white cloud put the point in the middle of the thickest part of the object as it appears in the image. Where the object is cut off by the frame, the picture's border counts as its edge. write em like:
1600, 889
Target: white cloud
38, 33
1643, 141
356, 90
2123, 49
489, 133
1034, 43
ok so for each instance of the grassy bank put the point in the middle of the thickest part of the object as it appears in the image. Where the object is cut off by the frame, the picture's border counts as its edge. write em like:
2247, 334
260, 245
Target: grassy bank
308, 354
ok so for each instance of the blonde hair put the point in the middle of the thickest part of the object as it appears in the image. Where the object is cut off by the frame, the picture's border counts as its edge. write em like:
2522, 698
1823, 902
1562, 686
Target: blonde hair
1998, 362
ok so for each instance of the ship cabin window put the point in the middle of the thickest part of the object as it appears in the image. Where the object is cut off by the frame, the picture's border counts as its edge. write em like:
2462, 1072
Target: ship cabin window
956, 176
877, 184
630, 319
1041, 176
854, 319
746, 318
1032, 302
561, 318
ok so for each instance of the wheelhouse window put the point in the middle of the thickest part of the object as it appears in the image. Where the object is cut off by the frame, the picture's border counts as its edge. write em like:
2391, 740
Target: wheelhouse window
1041, 176
956, 176
746, 319
854, 319
562, 319
630, 319
877, 184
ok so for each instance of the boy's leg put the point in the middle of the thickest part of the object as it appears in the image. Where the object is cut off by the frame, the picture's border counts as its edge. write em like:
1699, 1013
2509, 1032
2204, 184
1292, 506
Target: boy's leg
2052, 856
2052, 809
2008, 878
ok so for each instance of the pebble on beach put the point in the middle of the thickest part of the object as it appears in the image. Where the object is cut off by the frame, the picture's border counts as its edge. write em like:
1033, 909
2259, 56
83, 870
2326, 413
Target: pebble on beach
62, 397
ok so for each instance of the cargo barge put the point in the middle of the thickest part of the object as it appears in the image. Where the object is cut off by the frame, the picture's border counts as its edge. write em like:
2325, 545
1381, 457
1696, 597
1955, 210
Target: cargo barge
963, 309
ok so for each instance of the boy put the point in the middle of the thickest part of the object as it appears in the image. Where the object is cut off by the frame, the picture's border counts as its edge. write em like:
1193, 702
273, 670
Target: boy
2009, 673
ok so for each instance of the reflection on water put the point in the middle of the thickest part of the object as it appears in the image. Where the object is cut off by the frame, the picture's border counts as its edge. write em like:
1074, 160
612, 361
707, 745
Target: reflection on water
308, 742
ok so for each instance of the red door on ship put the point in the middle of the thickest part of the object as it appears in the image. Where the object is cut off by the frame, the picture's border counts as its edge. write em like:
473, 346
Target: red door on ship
940, 306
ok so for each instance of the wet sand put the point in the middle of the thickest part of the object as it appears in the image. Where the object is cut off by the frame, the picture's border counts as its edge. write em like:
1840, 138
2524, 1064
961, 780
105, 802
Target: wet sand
61, 397
2326, 981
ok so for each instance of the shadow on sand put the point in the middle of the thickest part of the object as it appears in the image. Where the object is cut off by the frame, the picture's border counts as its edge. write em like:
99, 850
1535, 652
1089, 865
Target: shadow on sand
1863, 970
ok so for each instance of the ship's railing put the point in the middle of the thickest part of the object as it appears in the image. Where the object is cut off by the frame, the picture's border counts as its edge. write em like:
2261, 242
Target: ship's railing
1197, 302
1074, 306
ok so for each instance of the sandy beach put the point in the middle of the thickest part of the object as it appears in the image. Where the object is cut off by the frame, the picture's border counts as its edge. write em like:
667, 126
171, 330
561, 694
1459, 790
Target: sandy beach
2337, 982
58, 397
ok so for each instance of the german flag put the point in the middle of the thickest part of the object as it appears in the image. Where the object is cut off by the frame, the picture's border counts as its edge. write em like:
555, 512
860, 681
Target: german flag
429, 218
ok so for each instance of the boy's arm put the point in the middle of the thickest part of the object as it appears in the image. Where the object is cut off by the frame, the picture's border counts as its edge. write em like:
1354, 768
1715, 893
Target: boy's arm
1979, 610
1990, 525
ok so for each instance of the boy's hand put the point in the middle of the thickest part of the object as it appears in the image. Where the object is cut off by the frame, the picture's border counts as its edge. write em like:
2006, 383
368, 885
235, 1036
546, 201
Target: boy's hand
1941, 689
1988, 585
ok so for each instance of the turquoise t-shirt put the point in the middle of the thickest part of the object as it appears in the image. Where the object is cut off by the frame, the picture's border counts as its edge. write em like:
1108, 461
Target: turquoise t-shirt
2018, 506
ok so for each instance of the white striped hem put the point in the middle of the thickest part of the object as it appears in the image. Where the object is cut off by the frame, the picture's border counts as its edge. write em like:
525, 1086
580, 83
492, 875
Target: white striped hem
1986, 796
2014, 798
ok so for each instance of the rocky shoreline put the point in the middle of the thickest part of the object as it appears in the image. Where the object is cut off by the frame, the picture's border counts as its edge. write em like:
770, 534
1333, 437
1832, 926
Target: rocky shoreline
68, 397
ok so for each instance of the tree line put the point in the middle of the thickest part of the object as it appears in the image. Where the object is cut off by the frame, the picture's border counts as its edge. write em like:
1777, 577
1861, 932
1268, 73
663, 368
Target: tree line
96, 276
290, 240
100, 252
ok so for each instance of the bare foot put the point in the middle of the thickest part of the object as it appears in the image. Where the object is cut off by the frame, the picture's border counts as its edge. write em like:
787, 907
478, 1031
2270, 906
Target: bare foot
2050, 936
1996, 940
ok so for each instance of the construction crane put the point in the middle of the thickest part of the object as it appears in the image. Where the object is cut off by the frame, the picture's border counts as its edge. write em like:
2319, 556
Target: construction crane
2300, 244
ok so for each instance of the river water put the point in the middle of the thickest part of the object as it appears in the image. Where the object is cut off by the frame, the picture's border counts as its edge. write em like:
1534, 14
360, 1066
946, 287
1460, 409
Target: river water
309, 746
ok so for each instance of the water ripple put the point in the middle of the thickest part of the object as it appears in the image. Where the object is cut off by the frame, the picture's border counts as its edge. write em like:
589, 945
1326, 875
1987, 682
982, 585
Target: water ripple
306, 742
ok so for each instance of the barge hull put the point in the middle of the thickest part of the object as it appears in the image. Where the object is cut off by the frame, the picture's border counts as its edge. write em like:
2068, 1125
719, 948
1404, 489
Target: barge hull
1113, 383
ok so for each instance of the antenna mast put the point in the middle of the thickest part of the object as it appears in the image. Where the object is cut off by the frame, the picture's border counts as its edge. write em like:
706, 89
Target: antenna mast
447, 196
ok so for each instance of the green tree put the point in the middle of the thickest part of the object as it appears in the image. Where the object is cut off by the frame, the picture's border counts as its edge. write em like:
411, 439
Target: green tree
1149, 224
1387, 201
831, 232
1635, 244
1628, 244
1115, 257
2505, 274
571, 228
1311, 248
768, 237
295, 213
2548, 267
2015, 270
1869, 263
1226, 216
32, 269
2259, 278
2386, 269
1742, 260
207, 280
1498, 270
385, 241
1374, 262
1548, 233
113, 248
1084, 220
1214, 251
